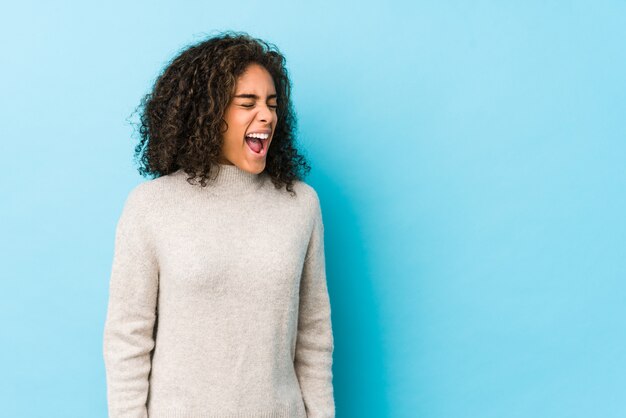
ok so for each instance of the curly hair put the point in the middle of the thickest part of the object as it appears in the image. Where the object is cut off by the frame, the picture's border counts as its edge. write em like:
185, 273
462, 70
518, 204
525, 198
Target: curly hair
182, 117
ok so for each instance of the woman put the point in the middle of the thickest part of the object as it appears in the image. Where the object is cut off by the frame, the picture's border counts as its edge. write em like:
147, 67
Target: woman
218, 301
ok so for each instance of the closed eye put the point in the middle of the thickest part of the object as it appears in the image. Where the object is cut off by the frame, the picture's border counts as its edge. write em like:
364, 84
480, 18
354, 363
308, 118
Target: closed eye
252, 105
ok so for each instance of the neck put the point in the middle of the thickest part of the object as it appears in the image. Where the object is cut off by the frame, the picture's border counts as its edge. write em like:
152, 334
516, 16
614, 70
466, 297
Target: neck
228, 179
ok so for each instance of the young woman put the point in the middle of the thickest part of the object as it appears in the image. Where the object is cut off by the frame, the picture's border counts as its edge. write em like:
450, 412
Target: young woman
218, 301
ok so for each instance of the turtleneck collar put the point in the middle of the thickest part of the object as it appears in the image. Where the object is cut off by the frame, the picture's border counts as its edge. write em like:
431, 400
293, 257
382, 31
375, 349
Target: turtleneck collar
230, 180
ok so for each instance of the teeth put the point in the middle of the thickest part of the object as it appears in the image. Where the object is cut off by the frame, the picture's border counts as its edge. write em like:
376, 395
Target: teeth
259, 136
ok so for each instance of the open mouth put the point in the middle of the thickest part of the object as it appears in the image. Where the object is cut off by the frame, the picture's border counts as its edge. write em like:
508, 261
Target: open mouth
258, 143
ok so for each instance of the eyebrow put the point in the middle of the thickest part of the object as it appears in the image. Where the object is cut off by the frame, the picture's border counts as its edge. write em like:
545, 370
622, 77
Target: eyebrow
254, 96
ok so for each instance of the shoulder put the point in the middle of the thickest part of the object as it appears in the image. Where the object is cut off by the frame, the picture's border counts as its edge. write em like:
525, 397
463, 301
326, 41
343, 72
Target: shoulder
309, 198
140, 194
142, 199
306, 193
149, 191
141, 207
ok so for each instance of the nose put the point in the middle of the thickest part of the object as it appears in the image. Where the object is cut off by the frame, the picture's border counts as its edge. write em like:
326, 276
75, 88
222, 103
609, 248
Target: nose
265, 113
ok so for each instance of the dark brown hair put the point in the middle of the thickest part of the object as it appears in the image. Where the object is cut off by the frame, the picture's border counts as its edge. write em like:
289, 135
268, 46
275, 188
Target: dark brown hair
181, 118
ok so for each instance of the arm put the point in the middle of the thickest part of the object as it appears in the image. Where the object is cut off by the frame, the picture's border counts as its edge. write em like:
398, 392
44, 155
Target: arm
128, 332
314, 346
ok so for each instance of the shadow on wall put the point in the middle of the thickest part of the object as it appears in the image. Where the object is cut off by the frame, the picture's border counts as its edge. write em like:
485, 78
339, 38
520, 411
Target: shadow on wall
359, 369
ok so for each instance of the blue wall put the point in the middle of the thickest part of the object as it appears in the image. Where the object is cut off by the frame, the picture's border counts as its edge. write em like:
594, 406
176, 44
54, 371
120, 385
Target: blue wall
470, 161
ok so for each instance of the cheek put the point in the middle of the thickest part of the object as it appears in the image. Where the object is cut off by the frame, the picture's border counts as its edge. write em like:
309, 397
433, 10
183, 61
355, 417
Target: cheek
236, 117
242, 121
237, 125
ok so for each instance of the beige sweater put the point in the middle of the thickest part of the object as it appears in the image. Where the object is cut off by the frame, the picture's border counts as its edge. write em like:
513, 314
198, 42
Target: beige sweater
218, 302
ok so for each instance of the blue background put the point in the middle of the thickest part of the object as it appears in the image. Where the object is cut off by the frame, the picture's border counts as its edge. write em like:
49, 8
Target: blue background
469, 156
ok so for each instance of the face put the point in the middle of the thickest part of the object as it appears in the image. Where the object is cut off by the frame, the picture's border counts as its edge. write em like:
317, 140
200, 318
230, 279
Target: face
251, 110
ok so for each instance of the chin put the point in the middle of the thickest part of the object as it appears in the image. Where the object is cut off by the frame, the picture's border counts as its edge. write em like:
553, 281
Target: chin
260, 169
254, 168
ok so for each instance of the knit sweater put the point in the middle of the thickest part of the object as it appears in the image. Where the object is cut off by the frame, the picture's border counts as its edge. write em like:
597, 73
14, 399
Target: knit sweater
218, 301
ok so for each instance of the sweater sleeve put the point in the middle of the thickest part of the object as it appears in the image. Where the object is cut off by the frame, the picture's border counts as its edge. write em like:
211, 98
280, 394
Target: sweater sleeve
314, 344
128, 332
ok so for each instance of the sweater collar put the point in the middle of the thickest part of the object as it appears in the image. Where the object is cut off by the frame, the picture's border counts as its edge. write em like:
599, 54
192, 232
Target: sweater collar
227, 179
